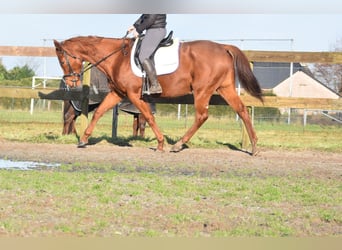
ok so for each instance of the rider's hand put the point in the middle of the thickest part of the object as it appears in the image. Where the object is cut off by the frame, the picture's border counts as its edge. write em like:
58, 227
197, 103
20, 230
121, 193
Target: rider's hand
132, 29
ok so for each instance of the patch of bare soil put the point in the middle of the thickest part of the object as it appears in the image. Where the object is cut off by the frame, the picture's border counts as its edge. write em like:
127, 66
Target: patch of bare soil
207, 161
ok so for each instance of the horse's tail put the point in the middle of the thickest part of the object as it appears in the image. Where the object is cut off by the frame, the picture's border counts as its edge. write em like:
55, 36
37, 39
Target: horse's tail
244, 72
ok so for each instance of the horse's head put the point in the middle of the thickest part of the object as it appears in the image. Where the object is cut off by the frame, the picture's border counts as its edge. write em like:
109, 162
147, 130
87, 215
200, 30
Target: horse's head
71, 65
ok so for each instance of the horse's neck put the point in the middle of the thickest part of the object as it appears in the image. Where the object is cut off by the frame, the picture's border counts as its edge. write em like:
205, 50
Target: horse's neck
94, 52
103, 54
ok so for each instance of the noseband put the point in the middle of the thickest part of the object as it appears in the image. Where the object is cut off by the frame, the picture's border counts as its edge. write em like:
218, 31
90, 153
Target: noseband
76, 76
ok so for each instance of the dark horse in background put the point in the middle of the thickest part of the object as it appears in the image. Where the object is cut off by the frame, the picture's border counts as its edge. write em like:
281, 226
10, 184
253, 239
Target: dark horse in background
205, 68
99, 83
72, 109
70, 114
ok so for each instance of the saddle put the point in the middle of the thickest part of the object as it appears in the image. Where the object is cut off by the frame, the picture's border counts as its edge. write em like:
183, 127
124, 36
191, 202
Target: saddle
165, 57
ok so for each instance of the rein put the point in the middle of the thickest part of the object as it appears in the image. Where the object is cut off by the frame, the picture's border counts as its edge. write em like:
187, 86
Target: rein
74, 74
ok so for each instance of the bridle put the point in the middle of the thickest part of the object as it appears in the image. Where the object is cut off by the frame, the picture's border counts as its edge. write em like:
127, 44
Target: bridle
77, 75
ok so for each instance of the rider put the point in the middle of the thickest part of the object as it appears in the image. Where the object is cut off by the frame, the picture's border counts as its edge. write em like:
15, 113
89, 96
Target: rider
155, 27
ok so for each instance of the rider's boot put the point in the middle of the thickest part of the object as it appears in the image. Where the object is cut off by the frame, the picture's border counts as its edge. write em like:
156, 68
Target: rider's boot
155, 87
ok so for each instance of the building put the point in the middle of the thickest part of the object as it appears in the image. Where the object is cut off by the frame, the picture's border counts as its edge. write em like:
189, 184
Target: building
276, 78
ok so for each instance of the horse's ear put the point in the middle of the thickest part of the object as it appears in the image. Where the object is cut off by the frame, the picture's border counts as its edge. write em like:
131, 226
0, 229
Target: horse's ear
57, 45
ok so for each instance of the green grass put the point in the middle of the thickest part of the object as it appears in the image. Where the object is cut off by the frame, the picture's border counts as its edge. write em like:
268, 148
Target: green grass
215, 133
63, 203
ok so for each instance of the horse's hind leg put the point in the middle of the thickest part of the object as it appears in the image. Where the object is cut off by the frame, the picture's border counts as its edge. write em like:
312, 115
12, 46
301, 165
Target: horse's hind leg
201, 116
237, 105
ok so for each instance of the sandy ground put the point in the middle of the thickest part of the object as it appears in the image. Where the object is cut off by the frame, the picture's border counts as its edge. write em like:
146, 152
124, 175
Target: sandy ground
210, 161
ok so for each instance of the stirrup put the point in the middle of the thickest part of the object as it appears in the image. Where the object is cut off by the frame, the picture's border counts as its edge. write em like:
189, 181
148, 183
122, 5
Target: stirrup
146, 88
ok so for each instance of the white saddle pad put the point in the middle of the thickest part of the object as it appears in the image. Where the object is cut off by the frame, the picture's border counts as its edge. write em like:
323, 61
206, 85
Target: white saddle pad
166, 59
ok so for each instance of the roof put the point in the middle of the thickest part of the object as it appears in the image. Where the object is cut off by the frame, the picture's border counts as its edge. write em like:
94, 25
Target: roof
302, 85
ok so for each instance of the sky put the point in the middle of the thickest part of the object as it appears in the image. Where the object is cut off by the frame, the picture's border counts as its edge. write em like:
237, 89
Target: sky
251, 25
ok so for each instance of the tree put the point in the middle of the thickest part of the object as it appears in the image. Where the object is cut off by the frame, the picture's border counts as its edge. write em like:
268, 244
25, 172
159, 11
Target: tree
3, 72
330, 74
18, 73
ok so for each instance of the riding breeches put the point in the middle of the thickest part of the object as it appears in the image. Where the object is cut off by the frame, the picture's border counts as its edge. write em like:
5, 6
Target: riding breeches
150, 42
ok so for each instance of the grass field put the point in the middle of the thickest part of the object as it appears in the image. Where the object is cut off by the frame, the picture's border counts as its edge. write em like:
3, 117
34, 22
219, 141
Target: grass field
142, 198
111, 203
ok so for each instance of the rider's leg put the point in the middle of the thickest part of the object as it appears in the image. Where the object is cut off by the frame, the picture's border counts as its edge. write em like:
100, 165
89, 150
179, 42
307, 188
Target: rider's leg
149, 44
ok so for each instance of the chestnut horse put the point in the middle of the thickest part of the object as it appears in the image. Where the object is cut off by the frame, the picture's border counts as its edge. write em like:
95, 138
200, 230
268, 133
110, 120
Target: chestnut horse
205, 67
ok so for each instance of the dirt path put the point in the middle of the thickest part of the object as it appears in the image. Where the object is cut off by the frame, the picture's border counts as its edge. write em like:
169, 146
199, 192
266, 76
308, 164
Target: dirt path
208, 161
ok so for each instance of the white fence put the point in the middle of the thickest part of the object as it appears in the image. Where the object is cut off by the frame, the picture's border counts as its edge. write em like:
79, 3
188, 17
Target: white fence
38, 81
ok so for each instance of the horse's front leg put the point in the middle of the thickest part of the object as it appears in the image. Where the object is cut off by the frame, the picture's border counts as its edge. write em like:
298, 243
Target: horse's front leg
147, 113
109, 102
153, 125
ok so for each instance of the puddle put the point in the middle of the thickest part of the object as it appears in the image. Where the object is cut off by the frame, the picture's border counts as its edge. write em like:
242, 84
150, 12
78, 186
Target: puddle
24, 165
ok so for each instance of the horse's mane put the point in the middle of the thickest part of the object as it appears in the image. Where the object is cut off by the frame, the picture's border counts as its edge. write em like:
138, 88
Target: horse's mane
88, 39
84, 40
88, 42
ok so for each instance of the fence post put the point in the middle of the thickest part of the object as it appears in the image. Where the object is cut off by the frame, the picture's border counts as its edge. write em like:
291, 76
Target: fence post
85, 100
305, 115
115, 121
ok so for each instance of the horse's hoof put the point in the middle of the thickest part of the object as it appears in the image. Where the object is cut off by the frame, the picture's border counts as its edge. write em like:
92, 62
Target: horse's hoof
82, 144
255, 152
160, 150
176, 148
